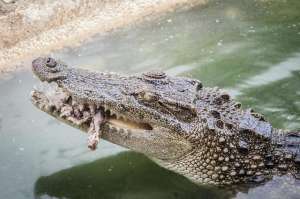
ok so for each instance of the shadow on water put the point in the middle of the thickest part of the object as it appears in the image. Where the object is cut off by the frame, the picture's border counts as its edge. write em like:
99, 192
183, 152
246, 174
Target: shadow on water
132, 175
125, 175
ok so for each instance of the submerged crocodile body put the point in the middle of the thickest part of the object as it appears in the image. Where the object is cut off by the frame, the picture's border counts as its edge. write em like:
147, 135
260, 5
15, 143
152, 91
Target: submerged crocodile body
195, 131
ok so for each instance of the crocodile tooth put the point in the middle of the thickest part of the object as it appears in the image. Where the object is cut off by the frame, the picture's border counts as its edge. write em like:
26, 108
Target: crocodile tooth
48, 108
40, 106
74, 102
32, 93
121, 130
112, 112
62, 114
81, 107
113, 129
104, 108
92, 108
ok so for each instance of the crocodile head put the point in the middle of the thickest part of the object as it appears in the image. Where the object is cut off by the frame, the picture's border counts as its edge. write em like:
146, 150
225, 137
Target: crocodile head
137, 114
196, 131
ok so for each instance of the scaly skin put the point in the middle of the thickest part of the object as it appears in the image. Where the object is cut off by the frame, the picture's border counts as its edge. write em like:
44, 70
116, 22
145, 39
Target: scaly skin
195, 131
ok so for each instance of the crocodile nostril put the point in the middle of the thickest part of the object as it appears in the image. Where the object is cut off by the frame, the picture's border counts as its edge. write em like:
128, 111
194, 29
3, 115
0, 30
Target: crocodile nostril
50, 62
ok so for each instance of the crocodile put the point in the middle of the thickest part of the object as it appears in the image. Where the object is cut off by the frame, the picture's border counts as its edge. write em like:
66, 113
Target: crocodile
199, 132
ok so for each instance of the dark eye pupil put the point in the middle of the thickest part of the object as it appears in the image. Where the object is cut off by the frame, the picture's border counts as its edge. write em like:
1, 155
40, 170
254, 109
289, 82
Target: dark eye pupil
50, 62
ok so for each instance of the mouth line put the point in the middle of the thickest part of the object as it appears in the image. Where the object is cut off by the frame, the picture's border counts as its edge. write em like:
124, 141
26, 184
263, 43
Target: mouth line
51, 98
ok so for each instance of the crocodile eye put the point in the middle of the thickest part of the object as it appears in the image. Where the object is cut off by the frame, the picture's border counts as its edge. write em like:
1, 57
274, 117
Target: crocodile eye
50, 62
148, 96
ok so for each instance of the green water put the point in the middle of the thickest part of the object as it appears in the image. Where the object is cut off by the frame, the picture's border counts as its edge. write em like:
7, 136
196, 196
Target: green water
249, 47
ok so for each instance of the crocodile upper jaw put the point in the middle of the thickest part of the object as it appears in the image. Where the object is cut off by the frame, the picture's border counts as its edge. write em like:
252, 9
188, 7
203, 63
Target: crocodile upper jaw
50, 98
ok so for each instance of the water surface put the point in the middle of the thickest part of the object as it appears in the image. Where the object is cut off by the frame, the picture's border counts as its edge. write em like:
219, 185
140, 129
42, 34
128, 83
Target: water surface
249, 47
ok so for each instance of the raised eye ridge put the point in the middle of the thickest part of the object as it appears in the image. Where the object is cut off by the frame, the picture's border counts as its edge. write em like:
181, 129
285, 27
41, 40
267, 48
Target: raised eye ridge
154, 75
50, 62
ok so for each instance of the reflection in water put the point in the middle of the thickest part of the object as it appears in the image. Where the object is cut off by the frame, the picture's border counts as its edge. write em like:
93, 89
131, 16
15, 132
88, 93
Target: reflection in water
132, 175
278, 188
278, 100
126, 175
250, 47
277, 72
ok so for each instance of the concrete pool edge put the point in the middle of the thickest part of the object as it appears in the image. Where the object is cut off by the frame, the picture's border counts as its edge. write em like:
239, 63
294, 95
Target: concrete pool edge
27, 31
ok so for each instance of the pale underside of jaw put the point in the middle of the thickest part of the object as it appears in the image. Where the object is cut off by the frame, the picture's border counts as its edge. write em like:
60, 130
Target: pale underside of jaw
52, 99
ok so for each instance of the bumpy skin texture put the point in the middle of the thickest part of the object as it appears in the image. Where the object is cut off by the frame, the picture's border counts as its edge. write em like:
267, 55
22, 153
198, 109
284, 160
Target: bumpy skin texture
195, 131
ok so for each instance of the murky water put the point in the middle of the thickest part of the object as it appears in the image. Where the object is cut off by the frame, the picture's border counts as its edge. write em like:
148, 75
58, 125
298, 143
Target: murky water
251, 48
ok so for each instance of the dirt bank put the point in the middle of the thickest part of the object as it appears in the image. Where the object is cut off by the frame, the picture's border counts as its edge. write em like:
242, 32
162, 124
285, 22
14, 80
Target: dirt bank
35, 27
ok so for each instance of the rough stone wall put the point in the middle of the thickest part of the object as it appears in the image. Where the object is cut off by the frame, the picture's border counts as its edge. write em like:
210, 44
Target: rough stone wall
30, 28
